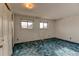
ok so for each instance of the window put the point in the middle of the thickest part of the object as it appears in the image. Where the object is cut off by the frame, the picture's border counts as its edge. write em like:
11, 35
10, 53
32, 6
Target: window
30, 25
24, 24
43, 25
27, 24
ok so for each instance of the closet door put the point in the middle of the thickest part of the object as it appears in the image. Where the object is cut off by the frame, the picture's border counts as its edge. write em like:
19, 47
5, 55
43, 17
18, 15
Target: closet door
1, 31
7, 35
0, 22
1, 45
1, 37
0, 27
5, 31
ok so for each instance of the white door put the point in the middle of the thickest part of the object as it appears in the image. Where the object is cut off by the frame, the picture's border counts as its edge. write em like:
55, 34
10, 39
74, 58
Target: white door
7, 34
1, 37
1, 31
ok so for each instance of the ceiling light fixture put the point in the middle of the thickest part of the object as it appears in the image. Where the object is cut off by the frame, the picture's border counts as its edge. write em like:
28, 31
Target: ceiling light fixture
29, 5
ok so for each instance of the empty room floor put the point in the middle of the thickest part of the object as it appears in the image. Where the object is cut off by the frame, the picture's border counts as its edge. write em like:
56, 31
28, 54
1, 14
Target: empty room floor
46, 47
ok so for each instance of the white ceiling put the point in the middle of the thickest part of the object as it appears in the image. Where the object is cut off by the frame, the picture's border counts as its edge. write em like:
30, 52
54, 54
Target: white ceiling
48, 10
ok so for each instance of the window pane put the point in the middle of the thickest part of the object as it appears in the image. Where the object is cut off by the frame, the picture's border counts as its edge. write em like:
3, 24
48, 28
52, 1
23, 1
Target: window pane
30, 25
45, 25
41, 25
23, 24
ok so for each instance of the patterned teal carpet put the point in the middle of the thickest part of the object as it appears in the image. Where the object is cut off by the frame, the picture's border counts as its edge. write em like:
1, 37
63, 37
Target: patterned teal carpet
47, 47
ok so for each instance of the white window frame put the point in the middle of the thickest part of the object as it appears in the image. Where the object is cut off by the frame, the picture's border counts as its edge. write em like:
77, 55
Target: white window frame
28, 27
43, 25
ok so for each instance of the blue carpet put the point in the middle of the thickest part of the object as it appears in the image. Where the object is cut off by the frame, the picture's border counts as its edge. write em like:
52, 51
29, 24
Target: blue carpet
47, 47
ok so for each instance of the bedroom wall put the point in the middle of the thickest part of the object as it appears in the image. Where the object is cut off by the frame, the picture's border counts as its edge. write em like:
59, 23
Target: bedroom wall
23, 35
68, 28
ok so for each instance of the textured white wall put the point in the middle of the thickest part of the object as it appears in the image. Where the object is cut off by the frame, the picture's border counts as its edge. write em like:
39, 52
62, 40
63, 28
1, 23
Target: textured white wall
68, 27
34, 34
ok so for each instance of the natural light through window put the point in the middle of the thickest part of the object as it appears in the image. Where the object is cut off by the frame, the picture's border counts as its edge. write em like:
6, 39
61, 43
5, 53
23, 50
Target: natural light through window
27, 25
24, 24
43, 25
30, 25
